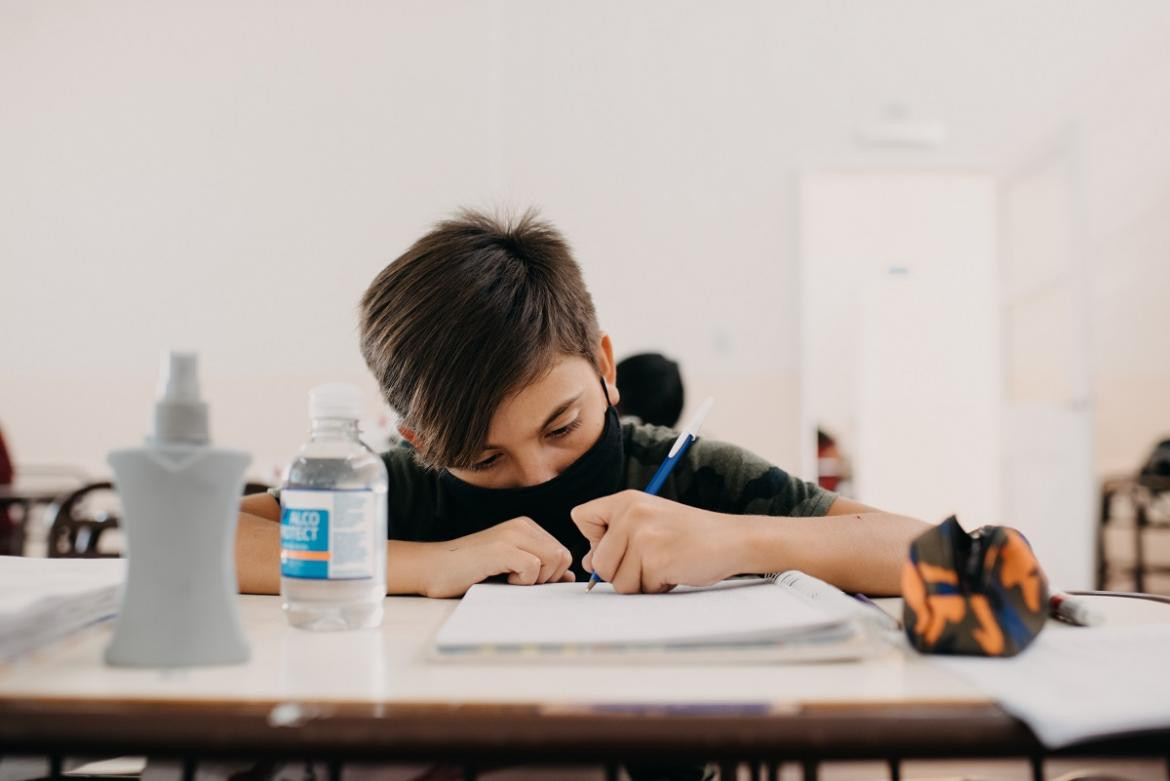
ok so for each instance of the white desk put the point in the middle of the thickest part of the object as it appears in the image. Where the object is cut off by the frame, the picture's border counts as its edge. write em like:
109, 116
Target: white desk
375, 694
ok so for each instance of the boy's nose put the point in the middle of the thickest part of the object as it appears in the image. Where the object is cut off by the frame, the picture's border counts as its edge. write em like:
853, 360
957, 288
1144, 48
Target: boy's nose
535, 472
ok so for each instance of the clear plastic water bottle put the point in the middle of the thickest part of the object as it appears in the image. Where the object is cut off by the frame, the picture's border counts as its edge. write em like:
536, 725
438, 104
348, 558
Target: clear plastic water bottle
333, 520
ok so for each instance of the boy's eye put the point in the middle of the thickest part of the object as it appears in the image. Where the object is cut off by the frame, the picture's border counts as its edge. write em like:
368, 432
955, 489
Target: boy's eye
487, 463
556, 433
565, 430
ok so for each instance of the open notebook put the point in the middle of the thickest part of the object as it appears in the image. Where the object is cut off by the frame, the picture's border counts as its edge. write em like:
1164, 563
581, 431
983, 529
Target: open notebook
787, 618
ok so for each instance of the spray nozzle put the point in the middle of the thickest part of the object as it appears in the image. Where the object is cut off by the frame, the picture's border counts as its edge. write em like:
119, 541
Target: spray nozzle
180, 377
180, 416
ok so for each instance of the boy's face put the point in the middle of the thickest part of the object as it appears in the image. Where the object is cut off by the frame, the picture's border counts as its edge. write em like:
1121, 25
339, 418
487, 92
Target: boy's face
536, 433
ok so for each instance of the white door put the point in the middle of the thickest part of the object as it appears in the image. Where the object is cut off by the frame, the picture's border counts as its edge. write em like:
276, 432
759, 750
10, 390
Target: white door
1048, 479
901, 353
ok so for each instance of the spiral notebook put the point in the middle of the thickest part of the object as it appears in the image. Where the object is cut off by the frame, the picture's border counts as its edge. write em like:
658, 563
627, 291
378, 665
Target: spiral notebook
782, 618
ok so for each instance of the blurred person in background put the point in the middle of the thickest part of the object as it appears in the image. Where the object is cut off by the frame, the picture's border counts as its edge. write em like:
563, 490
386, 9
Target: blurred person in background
651, 389
5, 462
830, 464
8, 524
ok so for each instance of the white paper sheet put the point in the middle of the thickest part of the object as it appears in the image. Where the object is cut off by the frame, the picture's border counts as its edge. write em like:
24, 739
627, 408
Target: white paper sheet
565, 615
42, 600
1076, 683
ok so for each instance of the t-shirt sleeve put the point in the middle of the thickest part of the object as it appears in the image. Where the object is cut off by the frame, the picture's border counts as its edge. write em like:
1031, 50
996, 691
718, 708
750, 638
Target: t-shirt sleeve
413, 498
728, 479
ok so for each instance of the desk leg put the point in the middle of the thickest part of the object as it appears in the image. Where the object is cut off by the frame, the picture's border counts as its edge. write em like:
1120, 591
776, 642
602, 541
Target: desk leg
12, 529
1139, 549
55, 762
1037, 762
895, 770
809, 770
1102, 522
727, 771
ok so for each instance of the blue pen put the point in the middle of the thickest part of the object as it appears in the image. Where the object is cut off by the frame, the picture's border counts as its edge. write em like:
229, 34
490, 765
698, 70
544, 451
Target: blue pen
688, 435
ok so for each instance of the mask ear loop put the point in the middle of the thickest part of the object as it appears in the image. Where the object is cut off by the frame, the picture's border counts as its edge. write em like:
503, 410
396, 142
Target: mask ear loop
605, 392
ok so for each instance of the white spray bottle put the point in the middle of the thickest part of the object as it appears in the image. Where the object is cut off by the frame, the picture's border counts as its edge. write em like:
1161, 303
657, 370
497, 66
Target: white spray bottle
180, 499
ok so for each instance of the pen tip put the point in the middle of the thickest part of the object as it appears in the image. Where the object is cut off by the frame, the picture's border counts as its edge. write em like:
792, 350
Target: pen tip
592, 583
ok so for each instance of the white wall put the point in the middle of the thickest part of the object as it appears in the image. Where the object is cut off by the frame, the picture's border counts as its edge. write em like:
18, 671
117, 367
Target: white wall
1126, 173
1049, 484
226, 177
1117, 152
149, 152
640, 128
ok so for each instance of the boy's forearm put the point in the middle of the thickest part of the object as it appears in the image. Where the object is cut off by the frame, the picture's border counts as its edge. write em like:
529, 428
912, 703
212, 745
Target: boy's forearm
257, 555
856, 552
258, 559
408, 566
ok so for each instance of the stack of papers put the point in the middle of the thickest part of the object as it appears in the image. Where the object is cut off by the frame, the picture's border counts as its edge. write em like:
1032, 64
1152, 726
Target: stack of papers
1078, 683
42, 600
558, 621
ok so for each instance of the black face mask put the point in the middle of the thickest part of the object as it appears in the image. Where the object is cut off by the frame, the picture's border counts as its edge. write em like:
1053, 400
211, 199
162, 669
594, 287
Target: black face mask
465, 509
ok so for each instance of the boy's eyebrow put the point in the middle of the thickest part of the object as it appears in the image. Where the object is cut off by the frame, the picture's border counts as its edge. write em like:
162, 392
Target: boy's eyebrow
556, 413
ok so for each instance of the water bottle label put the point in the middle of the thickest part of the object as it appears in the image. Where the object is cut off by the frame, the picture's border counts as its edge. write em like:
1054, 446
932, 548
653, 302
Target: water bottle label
328, 535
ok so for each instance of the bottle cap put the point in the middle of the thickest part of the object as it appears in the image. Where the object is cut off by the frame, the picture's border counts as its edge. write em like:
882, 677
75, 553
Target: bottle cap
180, 416
335, 400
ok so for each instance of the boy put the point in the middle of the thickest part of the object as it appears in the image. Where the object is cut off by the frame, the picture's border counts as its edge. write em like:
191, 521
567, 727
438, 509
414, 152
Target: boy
483, 337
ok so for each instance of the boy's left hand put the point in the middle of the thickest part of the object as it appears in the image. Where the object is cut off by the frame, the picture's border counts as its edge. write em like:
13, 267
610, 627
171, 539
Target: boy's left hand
640, 542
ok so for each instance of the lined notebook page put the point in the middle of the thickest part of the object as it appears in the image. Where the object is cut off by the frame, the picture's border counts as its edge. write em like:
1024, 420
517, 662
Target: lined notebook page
564, 614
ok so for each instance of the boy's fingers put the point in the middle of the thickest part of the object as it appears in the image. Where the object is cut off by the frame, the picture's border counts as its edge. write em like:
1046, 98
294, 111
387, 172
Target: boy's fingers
653, 583
566, 562
548, 568
628, 578
593, 518
527, 534
524, 568
587, 561
554, 566
606, 556
554, 558
528, 529
568, 577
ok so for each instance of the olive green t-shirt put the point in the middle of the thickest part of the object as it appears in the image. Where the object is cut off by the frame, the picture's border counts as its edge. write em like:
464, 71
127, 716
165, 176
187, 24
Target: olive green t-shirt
711, 475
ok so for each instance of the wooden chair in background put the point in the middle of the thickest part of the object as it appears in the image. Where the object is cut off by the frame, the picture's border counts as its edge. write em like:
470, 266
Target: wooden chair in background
83, 518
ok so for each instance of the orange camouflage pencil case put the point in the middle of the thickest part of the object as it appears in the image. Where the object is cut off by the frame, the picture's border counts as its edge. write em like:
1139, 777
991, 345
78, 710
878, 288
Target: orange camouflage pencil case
982, 593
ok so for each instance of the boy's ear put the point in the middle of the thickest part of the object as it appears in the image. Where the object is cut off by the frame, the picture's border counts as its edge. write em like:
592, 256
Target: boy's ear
409, 436
608, 368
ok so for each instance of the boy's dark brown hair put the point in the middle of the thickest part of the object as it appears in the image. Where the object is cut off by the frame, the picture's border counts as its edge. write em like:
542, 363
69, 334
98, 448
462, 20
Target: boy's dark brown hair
476, 309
